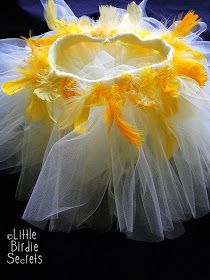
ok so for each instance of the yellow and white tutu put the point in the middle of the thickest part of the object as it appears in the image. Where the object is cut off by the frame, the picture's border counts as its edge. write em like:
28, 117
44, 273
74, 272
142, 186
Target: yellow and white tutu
108, 121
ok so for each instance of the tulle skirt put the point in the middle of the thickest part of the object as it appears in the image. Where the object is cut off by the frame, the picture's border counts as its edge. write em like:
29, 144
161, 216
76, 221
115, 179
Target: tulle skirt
96, 178
85, 180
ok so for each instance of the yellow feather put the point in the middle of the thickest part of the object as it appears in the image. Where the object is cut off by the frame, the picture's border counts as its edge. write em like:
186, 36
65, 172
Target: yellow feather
181, 48
108, 15
134, 13
69, 87
189, 21
60, 26
36, 109
169, 90
126, 129
51, 14
108, 114
107, 23
191, 68
15, 86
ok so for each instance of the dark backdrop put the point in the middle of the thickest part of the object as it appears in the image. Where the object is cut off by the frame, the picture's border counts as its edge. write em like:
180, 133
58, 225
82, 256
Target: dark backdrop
85, 254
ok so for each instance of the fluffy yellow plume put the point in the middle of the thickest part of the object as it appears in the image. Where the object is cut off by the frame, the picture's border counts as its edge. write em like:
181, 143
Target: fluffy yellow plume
191, 68
13, 87
184, 27
131, 134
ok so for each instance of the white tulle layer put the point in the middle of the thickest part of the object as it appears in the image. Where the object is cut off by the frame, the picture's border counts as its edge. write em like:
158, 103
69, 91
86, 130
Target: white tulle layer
12, 52
84, 181
103, 65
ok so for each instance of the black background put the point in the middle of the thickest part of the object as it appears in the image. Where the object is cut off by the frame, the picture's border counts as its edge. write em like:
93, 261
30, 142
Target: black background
86, 254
